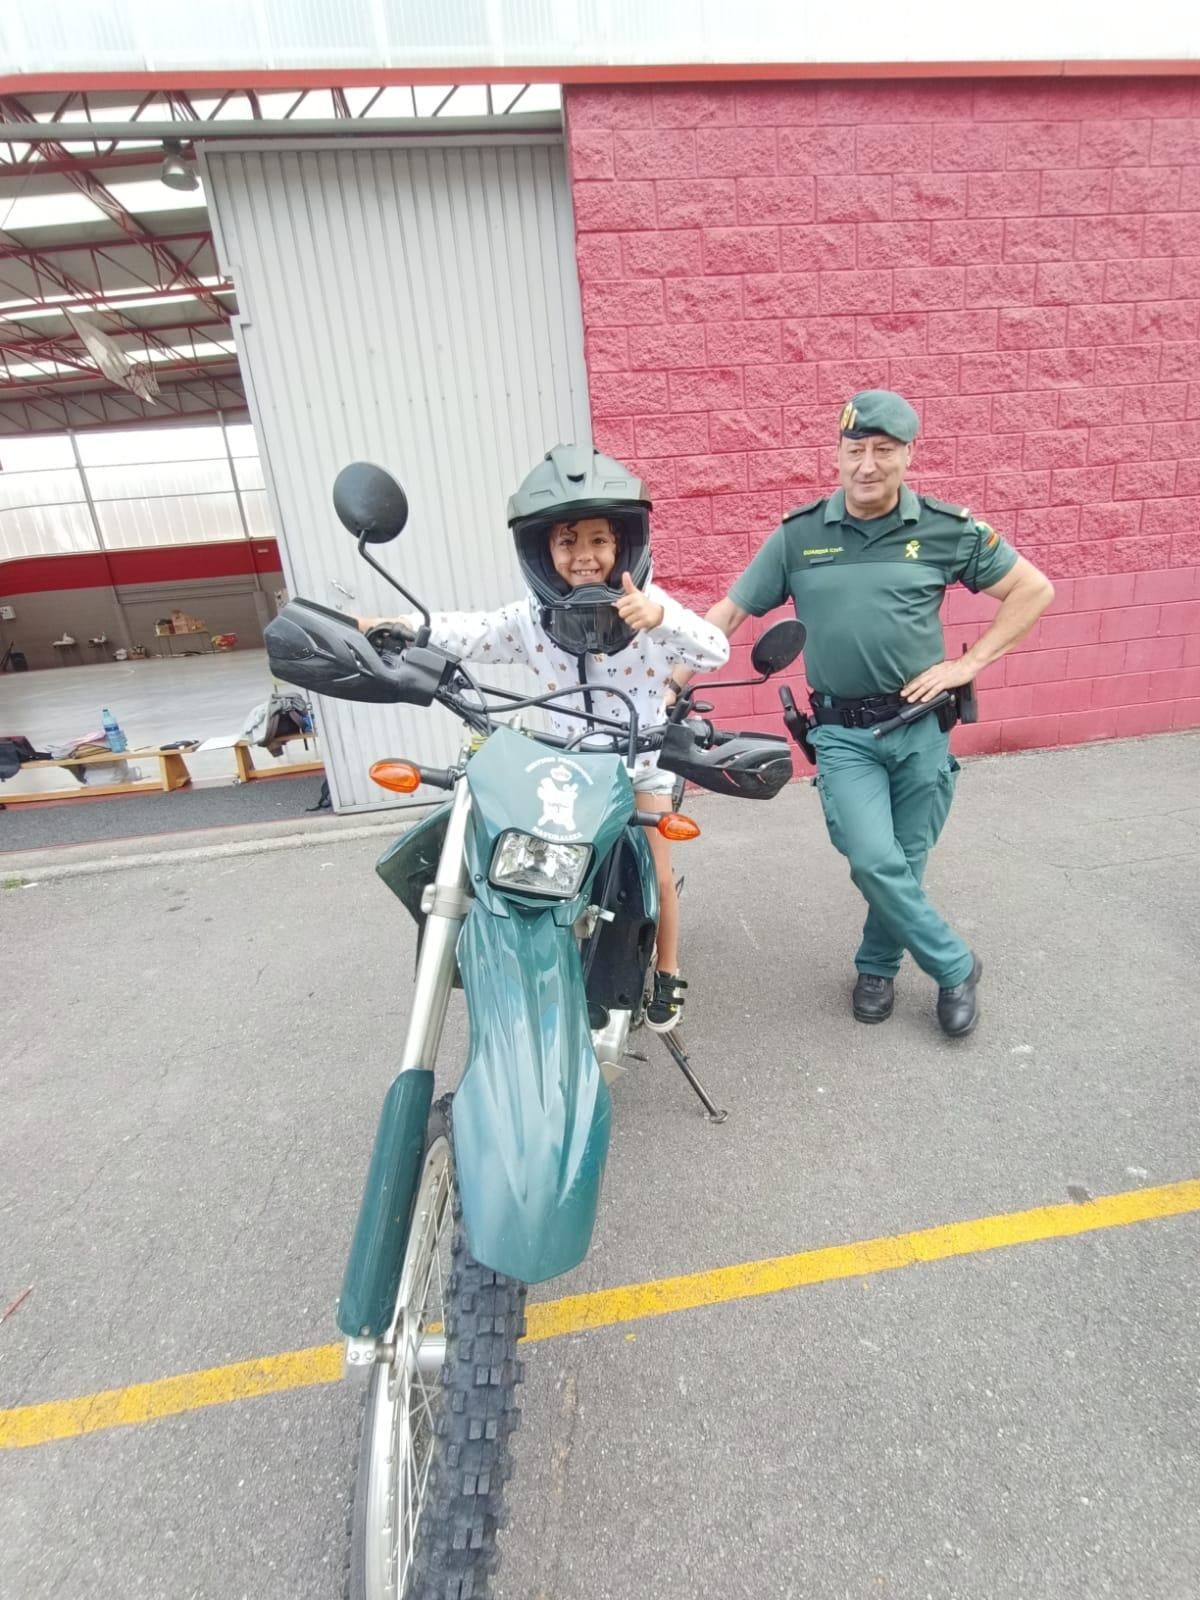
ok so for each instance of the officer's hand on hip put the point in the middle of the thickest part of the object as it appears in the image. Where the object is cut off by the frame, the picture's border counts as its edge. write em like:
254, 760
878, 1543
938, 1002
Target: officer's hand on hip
634, 608
935, 680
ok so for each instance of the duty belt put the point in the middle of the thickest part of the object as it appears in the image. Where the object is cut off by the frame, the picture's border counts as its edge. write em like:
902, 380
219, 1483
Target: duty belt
882, 713
833, 710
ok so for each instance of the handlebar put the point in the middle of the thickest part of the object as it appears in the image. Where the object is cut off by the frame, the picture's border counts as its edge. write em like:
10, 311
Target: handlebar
479, 703
625, 733
322, 650
635, 741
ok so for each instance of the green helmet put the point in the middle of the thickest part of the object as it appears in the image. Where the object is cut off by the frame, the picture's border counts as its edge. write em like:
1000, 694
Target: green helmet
573, 482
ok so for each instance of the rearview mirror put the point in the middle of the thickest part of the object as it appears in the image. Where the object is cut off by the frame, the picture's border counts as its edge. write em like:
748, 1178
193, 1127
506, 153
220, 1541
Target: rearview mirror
778, 647
369, 502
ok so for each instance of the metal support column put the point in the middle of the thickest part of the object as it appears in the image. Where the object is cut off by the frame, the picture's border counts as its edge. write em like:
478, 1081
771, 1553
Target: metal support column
122, 622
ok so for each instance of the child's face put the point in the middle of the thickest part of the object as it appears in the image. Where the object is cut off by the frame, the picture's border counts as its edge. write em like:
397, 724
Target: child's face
583, 551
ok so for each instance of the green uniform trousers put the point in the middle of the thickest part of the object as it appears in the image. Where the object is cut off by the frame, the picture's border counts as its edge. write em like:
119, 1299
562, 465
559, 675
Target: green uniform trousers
886, 801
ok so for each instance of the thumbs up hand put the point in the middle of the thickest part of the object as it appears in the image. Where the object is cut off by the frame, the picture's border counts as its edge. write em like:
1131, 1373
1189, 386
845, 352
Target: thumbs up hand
634, 608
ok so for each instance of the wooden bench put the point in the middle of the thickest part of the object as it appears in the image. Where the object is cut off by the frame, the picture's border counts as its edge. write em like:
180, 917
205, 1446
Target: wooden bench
172, 774
247, 772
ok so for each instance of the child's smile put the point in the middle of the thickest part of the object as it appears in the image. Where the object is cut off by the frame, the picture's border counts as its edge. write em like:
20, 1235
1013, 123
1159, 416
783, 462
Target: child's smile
584, 551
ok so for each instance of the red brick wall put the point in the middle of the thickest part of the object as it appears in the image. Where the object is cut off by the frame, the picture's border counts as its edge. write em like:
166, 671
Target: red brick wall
1020, 258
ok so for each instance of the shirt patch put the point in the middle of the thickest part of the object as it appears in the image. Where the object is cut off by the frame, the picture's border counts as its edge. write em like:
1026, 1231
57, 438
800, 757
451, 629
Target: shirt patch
991, 537
912, 549
826, 550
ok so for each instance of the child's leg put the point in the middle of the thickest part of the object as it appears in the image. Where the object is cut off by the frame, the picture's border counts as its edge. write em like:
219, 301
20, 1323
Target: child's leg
668, 900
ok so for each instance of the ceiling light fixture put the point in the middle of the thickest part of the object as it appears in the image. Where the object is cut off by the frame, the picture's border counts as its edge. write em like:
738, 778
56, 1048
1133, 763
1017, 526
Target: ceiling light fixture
176, 172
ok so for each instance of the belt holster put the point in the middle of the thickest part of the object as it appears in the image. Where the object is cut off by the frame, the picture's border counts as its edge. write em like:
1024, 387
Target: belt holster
967, 702
962, 706
799, 724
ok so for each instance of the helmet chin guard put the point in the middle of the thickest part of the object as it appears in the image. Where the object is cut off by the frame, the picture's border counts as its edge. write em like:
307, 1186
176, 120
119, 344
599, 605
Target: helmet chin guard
587, 629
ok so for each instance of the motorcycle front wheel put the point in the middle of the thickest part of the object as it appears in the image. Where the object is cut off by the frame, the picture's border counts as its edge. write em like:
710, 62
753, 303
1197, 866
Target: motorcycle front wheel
435, 1451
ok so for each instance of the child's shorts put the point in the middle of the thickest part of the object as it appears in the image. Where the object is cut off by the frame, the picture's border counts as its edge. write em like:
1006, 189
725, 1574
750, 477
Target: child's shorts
653, 781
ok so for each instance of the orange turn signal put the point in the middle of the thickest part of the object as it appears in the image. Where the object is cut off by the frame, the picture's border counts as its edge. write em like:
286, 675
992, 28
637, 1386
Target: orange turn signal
678, 827
401, 777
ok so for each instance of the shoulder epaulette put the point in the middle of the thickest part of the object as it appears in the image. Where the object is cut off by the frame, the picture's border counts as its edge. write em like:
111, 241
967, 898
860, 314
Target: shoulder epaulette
960, 512
801, 510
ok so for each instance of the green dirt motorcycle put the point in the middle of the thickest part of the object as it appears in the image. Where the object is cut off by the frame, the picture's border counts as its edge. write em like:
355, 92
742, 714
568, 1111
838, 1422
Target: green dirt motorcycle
534, 890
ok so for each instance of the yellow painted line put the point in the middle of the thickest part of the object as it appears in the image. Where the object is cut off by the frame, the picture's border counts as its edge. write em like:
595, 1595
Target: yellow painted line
23, 1426
576, 1313
168, 1397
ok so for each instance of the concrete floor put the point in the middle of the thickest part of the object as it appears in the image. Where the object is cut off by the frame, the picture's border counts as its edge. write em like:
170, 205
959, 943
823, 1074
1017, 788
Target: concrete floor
155, 701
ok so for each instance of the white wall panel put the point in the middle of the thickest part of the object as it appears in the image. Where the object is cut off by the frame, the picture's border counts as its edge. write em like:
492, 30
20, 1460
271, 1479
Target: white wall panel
417, 306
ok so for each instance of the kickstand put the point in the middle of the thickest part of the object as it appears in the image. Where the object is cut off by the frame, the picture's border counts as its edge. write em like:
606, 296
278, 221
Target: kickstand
680, 1058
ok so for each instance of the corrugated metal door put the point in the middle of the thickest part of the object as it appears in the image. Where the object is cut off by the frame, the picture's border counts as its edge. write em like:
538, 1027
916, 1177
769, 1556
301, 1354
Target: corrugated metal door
417, 306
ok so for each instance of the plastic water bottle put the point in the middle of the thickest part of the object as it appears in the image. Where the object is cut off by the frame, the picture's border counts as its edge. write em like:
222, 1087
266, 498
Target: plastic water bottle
112, 732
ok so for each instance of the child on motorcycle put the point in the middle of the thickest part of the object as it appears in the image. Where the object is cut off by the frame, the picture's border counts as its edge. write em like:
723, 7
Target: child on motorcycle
581, 526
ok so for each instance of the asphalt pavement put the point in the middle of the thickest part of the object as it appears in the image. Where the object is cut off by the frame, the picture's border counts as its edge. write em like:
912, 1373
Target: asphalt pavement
132, 816
191, 1065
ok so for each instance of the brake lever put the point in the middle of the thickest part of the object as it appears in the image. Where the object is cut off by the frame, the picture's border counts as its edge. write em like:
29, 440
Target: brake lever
384, 635
703, 731
683, 706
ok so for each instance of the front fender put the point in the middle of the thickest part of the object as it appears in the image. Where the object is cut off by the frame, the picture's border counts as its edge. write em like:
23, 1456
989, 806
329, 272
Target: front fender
532, 1112
372, 1275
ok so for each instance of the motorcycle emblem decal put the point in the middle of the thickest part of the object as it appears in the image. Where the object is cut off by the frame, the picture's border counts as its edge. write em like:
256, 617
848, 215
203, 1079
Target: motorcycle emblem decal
558, 796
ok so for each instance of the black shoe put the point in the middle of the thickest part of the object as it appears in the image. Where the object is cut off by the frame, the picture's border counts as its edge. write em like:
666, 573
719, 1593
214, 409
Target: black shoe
666, 1003
873, 997
958, 1008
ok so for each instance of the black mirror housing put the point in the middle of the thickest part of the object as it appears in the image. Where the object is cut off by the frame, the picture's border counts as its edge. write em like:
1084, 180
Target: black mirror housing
369, 502
778, 647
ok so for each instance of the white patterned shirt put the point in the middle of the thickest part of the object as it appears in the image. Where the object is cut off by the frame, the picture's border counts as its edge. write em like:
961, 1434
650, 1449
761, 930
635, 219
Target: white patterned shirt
513, 635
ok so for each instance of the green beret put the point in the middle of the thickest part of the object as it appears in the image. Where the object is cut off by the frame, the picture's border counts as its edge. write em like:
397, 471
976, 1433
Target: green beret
879, 411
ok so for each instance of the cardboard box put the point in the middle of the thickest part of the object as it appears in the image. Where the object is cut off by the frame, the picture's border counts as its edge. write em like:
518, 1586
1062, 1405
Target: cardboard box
183, 623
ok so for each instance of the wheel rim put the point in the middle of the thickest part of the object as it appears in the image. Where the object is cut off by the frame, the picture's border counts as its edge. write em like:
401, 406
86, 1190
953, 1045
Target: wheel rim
407, 1392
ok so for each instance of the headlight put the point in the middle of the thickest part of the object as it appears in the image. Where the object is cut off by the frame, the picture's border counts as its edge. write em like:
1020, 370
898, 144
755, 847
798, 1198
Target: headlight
538, 866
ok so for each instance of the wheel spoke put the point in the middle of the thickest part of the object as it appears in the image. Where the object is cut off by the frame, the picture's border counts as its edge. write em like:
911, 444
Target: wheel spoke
402, 1506
411, 1393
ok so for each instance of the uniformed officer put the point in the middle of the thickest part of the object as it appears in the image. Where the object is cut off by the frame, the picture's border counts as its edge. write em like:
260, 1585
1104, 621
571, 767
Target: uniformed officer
866, 569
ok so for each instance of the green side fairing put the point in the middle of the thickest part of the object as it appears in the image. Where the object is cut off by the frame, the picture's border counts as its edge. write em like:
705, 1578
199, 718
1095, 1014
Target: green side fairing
409, 863
408, 866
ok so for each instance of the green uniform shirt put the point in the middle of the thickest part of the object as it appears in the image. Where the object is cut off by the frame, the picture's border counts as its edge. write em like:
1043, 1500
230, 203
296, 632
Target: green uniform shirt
870, 593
